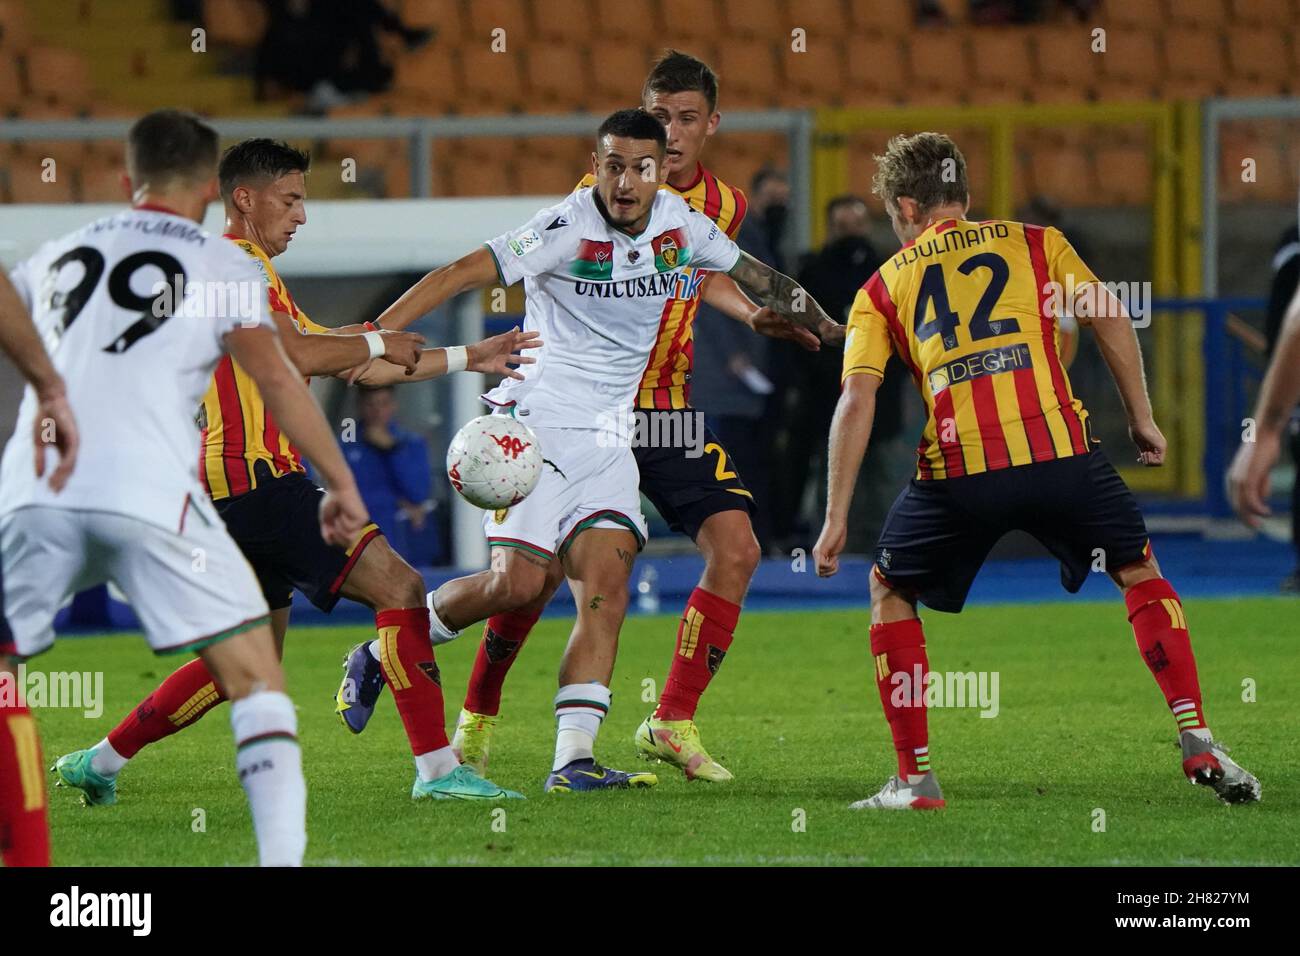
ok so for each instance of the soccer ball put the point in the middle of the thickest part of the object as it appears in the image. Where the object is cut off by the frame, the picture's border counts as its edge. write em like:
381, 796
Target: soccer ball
494, 462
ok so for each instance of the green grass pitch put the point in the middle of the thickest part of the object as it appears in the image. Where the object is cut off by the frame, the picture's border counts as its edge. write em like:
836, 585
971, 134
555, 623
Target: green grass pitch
794, 714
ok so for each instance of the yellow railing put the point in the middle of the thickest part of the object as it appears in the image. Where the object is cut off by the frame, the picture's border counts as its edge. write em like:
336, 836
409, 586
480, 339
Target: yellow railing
1177, 386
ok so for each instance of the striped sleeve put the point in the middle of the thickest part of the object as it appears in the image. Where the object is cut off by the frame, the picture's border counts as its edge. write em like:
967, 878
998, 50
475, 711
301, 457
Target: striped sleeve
867, 345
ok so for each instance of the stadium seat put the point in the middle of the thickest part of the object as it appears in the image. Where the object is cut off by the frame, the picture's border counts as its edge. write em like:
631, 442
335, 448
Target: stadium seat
1194, 66
1063, 175
11, 85
102, 183
58, 75
492, 82
1065, 64
1260, 57
1204, 14
429, 76
26, 184
15, 36
557, 77
541, 175
815, 77
755, 19
1127, 15
1123, 175
747, 73
939, 69
688, 24
883, 18
444, 16
823, 19
488, 15
1003, 63
1261, 13
1131, 64
876, 71
564, 22
477, 176
615, 67
235, 23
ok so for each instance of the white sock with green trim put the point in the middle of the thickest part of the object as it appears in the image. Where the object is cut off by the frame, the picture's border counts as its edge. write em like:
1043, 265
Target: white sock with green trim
579, 710
269, 762
439, 633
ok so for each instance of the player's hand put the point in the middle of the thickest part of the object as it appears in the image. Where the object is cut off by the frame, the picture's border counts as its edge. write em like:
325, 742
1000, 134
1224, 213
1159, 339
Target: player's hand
765, 321
1150, 443
354, 373
402, 348
1247, 477
832, 333
497, 354
342, 516
56, 426
830, 543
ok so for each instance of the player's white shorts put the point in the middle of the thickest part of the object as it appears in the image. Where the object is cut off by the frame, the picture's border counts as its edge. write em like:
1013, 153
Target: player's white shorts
585, 483
189, 589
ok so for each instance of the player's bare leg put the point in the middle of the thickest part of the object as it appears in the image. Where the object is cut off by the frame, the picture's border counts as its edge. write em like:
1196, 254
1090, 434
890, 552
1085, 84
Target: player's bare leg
402, 657
24, 830
598, 565
898, 649
731, 555
247, 668
1160, 627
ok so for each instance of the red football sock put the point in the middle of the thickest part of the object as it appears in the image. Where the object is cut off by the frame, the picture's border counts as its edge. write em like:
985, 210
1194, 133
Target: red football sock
503, 635
24, 832
1161, 631
406, 656
185, 696
703, 636
899, 648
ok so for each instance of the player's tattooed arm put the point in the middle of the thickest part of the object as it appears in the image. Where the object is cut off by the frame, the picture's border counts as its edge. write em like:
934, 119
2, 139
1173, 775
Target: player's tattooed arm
478, 270
785, 297
722, 293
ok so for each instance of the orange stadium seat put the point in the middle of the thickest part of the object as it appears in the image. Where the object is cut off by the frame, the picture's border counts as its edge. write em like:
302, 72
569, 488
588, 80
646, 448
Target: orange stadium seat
815, 77
541, 175
1068, 70
690, 24
1261, 13
823, 19
492, 82
876, 72
444, 16
557, 77
237, 23
478, 176
102, 183
755, 18
58, 75
616, 67
26, 184
1124, 175
1193, 63
509, 15
1003, 63
429, 75
1063, 175
15, 37
563, 21
939, 67
1131, 64
1260, 57
883, 17
1205, 14
1127, 14
747, 73
11, 85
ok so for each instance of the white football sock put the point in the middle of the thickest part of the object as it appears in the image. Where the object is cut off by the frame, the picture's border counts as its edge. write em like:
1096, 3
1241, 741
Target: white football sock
436, 763
105, 760
439, 633
373, 647
579, 710
269, 762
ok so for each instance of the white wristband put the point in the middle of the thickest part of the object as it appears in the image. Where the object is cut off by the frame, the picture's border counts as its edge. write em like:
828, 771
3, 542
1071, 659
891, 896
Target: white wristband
457, 358
375, 342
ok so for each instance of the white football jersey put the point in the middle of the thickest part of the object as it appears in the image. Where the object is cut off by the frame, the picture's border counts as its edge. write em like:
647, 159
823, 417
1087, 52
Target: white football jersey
598, 296
137, 347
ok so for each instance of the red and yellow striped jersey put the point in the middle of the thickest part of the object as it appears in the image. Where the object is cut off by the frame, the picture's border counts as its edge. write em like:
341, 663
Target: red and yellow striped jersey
667, 377
969, 308
238, 430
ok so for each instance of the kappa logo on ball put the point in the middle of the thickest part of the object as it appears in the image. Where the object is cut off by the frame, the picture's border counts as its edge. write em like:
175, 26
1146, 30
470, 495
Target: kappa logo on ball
511, 444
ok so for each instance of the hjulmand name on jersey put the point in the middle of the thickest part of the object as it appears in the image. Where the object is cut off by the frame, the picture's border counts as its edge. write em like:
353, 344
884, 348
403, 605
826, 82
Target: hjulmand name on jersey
948, 240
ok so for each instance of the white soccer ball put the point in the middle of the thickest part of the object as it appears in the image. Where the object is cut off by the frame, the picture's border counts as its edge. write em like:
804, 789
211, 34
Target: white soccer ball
494, 461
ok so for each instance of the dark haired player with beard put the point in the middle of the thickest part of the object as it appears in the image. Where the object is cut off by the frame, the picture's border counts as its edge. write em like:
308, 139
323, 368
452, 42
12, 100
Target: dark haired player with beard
256, 478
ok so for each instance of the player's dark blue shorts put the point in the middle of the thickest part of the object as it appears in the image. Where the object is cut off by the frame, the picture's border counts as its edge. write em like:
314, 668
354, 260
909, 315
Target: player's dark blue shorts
689, 480
939, 532
277, 527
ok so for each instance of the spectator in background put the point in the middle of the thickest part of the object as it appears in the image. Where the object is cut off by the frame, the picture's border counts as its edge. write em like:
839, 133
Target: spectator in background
769, 214
392, 469
1286, 278
809, 387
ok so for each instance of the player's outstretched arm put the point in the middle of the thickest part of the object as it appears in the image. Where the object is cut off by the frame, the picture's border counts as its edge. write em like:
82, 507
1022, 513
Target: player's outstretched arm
259, 351
1097, 307
331, 354
778, 292
474, 271
722, 293
1278, 395
850, 431
493, 355
20, 341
